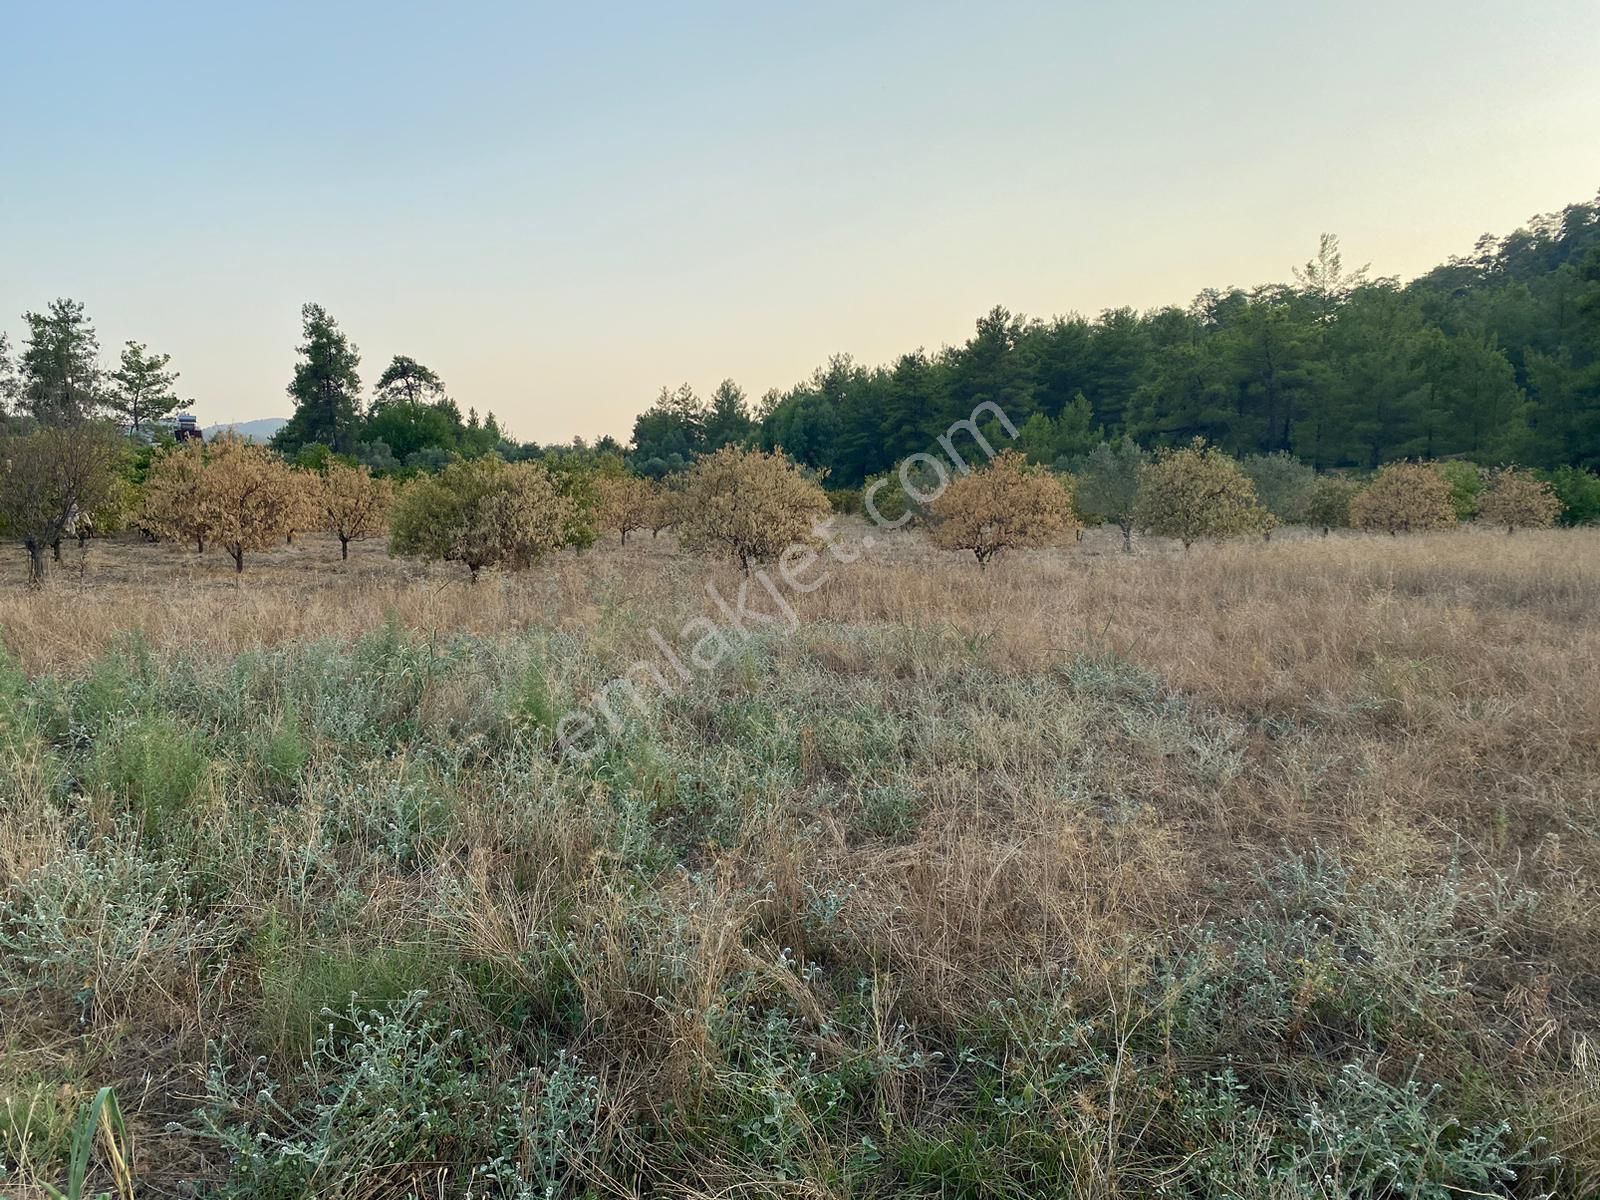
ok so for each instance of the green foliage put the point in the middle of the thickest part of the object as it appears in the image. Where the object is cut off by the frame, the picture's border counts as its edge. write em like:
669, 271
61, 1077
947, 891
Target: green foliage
1284, 485
1365, 1136
845, 500
1579, 493
484, 512
142, 392
94, 922
299, 984
1489, 356
1466, 483
314, 456
101, 1121
282, 754
58, 368
532, 707
154, 767
52, 478
1328, 505
1107, 484
1070, 435
326, 389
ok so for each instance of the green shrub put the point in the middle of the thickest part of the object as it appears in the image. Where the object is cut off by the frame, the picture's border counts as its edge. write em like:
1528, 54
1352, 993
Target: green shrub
395, 1094
153, 766
1466, 482
531, 707
1579, 493
281, 758
844, 500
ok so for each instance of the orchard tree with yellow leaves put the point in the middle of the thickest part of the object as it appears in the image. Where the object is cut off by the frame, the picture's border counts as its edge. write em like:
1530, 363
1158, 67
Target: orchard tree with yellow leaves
482, 512
1328, 505
1404, 497
751, 505
1518, 499
1007, 505
354, 504
624, 503
666, 505
253, 496
307, 510
174, 502
1195, 492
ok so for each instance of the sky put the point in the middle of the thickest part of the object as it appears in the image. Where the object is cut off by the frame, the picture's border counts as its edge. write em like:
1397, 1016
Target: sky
563, 208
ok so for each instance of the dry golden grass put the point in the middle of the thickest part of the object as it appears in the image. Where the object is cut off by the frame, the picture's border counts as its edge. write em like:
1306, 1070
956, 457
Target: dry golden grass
1428, 707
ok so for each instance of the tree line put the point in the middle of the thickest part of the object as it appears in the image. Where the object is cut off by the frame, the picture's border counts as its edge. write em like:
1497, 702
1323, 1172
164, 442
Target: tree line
1493, 357
749, 505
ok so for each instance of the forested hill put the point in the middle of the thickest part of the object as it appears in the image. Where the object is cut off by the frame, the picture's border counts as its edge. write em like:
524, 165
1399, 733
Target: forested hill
1494, 356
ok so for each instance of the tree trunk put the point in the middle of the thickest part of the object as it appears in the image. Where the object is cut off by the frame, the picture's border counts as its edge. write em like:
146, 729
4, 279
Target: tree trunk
238, 559
199, 543
1127, 539
55, 549
36, 564
344, 547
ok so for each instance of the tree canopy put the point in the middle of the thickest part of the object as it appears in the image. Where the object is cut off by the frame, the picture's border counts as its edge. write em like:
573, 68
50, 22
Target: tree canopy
1493, 356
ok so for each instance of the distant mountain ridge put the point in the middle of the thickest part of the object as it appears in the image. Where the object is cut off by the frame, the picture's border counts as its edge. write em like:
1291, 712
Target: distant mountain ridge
251, 431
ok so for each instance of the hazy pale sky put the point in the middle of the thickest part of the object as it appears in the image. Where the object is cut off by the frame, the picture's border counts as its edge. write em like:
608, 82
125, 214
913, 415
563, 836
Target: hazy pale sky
560, 208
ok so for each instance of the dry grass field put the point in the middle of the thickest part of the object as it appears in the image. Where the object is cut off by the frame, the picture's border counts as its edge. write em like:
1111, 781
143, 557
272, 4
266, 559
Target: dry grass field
1265, 870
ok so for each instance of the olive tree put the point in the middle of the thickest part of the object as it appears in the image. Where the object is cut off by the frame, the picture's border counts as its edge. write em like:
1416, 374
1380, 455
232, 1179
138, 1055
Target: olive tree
1108, 485
750, 504
1283, 485
354, 504
1404, 497
1197, 492
1518, 500
53, 478
482, 512
1009, 504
